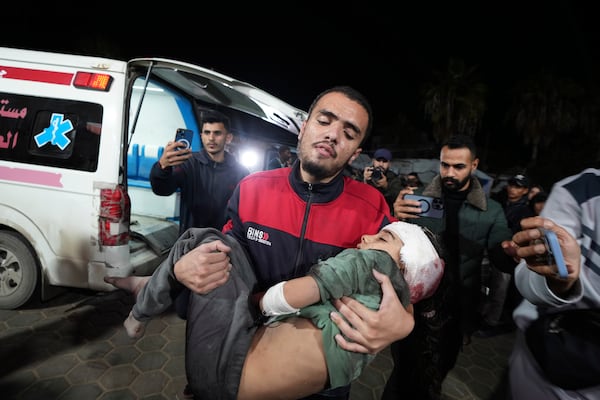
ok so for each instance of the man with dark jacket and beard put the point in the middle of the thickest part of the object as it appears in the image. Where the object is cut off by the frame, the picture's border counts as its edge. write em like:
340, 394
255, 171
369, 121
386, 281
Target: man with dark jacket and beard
470, 225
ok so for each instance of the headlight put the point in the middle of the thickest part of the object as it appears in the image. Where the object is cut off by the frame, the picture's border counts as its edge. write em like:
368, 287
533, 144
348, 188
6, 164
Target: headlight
249, 158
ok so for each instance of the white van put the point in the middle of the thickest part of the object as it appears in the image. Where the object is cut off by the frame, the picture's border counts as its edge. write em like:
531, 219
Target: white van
78, 136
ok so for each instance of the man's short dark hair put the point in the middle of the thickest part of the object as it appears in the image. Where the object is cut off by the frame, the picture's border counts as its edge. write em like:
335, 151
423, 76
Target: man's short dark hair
461, 142
353, 95
213, 117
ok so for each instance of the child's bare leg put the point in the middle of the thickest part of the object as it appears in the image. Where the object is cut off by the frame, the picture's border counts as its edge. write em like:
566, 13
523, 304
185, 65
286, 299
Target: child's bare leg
130, 283
285, 361
134, 327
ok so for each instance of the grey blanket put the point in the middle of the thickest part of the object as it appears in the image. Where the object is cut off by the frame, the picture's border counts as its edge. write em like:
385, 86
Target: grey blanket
220, 324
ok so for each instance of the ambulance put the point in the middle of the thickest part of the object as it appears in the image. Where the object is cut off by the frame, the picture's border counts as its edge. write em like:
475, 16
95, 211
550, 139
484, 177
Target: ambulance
78, 137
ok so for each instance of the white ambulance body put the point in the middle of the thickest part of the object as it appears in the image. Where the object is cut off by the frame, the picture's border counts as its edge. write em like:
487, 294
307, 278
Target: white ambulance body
78, 136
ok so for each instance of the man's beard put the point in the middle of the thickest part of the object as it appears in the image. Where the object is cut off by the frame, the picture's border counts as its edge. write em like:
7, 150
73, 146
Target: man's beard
454, 185
318, 172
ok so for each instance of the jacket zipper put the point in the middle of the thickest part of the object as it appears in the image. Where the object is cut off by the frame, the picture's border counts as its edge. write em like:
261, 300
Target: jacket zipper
303, 231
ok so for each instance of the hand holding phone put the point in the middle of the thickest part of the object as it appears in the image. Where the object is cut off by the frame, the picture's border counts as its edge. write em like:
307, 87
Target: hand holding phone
432, 207
185, 137
554, 254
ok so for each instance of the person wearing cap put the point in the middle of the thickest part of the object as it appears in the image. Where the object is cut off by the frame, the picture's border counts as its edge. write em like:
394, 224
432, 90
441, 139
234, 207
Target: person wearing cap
380, 176
514, 199
409, 254
504, 297
515, 206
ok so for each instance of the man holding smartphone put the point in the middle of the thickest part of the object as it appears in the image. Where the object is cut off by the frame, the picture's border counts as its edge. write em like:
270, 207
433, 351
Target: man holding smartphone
572, 212
470, 224
206, 180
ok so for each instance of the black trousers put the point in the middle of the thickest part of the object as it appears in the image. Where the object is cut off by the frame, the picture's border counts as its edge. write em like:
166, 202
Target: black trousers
423, 359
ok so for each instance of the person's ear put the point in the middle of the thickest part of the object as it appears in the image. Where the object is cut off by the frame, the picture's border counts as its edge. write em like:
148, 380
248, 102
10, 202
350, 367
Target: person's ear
229, 138
301, 131
355, 155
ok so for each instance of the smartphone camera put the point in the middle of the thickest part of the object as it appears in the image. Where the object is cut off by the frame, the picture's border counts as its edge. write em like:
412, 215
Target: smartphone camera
184, 136
430, 206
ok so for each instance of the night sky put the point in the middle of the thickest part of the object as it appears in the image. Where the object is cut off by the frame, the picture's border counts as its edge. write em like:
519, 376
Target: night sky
299, 48
295, 49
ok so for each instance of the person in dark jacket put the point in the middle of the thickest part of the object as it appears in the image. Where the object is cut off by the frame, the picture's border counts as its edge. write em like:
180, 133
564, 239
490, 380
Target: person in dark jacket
470, 225
515, 201
283, 159
503, 296
206, 178
380, 176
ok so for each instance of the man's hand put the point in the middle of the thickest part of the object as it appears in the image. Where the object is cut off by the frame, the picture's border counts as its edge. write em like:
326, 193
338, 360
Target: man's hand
367, 173
204, 268
406, 209
172, 156
524, 245
371, 331
381, 183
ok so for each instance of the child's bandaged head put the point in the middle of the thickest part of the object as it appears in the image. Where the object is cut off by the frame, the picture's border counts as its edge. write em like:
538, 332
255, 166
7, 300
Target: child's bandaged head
423, 266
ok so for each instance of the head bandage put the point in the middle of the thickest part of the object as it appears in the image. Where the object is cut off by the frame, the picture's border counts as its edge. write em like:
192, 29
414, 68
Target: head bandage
423, 267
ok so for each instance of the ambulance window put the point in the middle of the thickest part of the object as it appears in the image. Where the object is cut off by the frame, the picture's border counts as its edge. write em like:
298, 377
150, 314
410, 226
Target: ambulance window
52, 132
162, 111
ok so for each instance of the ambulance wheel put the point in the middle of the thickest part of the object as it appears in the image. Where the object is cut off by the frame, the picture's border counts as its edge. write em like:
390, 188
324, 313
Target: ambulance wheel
19, 272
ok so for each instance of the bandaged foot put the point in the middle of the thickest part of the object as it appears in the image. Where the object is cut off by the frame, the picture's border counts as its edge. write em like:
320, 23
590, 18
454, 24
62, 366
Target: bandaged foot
135, 329
130, 283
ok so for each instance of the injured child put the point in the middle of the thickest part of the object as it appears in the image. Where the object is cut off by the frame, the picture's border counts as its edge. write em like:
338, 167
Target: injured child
295, 350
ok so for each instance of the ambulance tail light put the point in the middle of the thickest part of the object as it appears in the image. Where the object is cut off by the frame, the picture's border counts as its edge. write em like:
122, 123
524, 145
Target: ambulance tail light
92, 81
115, 211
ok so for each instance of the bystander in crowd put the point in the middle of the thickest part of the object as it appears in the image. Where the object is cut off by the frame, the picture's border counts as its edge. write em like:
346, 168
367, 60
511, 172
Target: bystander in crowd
382, 177
503, 297
471, 224
567, 370
283, 159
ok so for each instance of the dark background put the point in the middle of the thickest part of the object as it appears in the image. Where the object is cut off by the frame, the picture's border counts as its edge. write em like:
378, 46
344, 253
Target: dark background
296, 49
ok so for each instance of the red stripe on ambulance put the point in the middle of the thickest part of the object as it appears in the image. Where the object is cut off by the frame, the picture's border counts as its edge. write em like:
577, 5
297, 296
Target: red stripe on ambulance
37, 75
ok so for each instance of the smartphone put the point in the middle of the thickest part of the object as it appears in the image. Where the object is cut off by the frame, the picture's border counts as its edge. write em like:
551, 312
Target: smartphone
555, 255
432, 207
185, 137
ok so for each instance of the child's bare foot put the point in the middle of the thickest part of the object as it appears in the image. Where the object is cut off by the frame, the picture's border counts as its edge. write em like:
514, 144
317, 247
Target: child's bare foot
134, 328
130, 283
